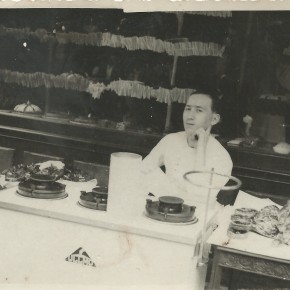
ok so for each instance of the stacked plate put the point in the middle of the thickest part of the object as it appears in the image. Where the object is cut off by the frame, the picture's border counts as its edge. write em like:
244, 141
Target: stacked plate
42, 186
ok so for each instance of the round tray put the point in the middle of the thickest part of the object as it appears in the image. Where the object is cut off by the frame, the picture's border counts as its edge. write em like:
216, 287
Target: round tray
92, 205
51, 189
194, 220
61, 195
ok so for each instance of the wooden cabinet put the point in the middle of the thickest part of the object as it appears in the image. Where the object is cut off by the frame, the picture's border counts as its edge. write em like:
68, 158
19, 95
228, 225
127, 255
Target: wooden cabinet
262, 172
79, 142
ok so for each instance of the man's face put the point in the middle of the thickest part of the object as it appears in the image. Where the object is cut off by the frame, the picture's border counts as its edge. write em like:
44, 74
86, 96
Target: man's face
198, 113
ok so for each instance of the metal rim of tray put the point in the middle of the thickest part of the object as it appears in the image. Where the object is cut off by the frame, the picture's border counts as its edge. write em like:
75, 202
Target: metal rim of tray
31, 194
194, 220
26, 186
225, 187
92, 205
186, 211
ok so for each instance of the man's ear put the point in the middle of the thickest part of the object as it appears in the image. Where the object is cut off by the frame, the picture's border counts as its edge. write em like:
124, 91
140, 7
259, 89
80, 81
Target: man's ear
215, 119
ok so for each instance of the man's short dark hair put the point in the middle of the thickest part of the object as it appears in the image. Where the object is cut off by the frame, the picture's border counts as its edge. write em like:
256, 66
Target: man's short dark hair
213, 95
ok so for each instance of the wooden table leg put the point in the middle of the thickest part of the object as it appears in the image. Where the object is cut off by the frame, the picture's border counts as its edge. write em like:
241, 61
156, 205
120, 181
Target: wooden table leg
216, 272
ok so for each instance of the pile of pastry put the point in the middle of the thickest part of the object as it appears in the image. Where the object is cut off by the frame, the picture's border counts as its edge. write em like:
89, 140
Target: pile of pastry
75, 174
270, 222
22, 172
19, 172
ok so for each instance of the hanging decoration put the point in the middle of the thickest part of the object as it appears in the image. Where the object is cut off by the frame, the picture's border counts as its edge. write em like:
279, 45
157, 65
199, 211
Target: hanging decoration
37, 79
134, 89
95, 89
191, 48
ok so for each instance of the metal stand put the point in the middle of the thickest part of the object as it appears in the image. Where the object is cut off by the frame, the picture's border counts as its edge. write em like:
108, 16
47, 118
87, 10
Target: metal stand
201, 261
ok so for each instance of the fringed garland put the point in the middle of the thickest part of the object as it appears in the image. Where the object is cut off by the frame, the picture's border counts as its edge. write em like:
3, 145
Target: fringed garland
99, 39
95, 89
136, 89
37, 79
77, 82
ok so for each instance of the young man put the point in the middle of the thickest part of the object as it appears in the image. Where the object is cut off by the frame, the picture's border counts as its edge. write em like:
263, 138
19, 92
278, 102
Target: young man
194, 148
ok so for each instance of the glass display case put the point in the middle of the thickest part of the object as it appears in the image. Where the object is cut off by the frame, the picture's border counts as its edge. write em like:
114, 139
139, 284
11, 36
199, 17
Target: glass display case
106, 68
90, 82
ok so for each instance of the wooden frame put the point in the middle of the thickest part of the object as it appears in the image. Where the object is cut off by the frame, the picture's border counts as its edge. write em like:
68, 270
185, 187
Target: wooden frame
247, 262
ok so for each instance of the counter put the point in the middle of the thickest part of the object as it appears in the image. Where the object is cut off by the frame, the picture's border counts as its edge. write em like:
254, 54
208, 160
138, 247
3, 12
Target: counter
128, 251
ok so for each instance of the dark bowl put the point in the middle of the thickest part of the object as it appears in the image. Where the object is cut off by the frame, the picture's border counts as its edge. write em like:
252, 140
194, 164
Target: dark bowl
170, 204
101, 190
42, 178
94, 197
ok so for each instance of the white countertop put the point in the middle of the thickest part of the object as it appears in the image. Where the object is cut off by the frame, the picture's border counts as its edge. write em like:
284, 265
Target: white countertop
254, 243
134, 222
